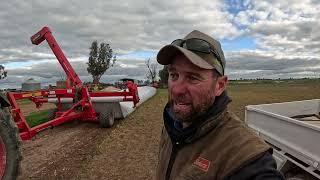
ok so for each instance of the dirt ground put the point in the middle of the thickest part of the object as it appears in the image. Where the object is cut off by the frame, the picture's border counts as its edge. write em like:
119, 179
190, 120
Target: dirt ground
79, 150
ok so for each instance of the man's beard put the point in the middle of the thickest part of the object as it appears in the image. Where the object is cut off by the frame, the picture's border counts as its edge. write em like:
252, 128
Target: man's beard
195, 110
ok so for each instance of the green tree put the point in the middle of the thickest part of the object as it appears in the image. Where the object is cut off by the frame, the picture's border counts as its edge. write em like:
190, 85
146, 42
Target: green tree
163, 74
3, 73
100, 59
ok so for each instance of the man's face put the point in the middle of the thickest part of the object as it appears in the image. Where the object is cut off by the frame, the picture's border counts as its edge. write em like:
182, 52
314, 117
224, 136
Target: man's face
192, 90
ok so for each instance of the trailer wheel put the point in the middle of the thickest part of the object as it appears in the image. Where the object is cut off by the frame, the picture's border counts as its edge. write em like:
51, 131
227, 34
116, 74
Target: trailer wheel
106, 119
10, 156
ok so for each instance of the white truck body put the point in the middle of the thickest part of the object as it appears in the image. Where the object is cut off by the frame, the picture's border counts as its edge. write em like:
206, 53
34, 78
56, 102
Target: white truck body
293, 129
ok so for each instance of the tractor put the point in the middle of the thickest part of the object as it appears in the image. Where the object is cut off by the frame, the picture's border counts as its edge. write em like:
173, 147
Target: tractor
10, 154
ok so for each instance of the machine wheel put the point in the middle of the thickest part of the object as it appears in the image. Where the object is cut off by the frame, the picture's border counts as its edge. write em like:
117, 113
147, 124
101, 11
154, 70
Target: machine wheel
106, 119
10, 156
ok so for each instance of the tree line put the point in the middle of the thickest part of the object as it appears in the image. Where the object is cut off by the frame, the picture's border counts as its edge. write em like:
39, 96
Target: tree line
102, 57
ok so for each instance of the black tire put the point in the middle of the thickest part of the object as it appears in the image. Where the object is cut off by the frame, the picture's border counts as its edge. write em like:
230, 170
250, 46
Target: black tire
10, 140
106, 119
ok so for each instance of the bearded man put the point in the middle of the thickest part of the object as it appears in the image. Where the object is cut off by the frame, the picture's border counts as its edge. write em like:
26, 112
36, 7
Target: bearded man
201, 138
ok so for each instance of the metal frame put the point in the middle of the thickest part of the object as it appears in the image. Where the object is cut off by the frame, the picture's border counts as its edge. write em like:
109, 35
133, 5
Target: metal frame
76, 92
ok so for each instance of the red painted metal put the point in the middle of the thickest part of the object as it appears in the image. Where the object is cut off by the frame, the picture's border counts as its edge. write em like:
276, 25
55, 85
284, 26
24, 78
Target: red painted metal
18, 117
45, 34
3, 158
82, 109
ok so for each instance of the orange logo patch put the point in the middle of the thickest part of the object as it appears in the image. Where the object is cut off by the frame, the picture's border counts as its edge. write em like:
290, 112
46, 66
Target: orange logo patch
202, 163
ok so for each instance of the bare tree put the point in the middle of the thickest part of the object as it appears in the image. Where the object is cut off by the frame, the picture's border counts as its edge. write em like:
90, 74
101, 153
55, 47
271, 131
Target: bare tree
163, 75
3, 73
152, 70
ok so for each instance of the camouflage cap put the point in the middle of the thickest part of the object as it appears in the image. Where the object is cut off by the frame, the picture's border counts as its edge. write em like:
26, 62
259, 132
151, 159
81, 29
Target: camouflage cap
202, 60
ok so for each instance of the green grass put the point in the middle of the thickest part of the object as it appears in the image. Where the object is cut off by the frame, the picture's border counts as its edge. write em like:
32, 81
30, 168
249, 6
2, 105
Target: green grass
38, 117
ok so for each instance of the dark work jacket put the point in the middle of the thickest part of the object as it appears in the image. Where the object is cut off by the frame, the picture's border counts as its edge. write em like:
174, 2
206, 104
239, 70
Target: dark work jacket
263, 168
217, 146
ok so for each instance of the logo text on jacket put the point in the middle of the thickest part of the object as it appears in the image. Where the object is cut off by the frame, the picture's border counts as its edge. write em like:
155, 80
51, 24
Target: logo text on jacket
202, 163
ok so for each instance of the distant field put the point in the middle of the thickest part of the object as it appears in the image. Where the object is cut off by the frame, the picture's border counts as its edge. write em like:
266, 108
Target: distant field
260, 93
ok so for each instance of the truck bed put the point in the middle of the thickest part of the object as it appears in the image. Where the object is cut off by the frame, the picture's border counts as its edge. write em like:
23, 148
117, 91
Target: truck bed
312, 119
315, 123
292, 128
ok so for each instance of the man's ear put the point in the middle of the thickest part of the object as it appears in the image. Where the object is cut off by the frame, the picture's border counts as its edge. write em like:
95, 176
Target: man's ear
221, 85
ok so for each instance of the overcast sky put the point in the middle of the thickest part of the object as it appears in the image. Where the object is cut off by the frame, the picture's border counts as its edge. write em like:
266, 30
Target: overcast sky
261, 39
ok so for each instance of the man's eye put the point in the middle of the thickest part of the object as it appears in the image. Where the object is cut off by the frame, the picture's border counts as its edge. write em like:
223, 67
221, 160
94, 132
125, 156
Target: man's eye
193, 78
173, 75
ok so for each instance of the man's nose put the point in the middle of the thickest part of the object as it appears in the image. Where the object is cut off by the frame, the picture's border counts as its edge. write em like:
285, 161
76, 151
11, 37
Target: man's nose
179, 87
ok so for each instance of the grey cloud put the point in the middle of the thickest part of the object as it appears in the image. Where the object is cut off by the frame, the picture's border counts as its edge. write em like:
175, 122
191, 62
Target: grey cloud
284, 26
50, 71
265, 65
260, 61
294, 30
126, 25
286, 33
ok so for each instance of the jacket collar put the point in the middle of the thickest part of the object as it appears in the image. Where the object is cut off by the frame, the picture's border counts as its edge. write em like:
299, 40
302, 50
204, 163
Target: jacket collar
201, 126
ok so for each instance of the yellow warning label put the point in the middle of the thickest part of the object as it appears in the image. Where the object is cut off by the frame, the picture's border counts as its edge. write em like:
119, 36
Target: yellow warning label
32, 94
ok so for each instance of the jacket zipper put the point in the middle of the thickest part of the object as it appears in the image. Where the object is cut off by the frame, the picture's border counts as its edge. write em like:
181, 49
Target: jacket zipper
175, 149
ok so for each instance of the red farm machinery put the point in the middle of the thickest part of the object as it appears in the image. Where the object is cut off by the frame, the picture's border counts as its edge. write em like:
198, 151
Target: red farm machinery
13, 124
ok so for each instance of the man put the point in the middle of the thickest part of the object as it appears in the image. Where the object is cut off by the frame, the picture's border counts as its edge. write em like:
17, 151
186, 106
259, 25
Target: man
201, 139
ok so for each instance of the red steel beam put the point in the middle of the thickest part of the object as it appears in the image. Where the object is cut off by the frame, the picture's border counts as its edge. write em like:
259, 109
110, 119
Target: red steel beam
45, 34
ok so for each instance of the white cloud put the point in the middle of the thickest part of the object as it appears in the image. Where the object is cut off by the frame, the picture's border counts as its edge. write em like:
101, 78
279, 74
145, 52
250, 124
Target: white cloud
129, 26
126, 25
128, 66
286, 33
290, 22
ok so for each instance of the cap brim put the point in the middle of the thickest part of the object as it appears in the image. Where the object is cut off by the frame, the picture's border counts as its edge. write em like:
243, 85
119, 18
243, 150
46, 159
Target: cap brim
168, 52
